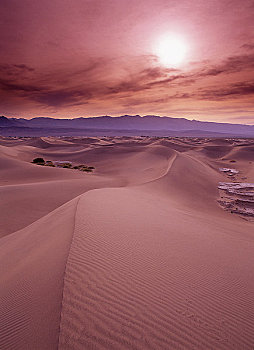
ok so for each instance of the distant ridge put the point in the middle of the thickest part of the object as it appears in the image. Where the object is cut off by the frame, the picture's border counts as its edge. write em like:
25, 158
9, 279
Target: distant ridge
150, 125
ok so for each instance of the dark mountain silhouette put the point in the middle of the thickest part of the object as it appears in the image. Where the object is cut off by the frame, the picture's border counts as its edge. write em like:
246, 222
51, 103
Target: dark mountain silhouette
10, 122
123, 125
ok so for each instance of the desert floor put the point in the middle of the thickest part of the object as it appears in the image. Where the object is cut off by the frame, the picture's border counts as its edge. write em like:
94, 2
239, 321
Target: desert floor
138, 254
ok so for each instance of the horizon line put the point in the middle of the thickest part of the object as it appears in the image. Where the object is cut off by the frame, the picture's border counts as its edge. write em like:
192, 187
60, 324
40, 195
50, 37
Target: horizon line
123, 115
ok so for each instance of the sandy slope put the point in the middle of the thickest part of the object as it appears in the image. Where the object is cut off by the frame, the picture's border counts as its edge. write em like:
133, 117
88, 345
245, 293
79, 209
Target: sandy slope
138, 278
140, 257
32, 270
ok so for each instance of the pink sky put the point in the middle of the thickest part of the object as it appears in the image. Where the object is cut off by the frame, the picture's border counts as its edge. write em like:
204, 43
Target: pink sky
71, 58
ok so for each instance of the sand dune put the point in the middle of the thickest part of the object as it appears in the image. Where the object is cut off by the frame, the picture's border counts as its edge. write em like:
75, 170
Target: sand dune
32, 271
136, 255
142, 280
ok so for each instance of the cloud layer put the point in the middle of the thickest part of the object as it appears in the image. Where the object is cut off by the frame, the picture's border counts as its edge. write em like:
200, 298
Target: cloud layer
86, 58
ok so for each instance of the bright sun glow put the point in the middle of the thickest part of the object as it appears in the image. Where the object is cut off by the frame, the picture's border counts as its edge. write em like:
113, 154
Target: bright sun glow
171, 50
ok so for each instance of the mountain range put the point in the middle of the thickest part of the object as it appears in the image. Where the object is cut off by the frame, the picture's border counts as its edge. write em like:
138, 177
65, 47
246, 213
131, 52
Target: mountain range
125, 125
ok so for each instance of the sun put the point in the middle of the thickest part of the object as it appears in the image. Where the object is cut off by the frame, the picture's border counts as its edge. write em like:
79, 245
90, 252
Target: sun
171, 50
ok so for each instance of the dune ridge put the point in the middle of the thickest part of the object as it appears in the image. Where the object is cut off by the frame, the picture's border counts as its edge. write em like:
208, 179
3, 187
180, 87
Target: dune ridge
137, 255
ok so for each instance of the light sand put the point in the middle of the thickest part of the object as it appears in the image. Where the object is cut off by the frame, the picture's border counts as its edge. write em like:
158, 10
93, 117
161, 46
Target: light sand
137, 255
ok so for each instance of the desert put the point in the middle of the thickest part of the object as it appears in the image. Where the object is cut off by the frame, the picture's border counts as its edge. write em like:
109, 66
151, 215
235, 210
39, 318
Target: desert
126, 175
152, 249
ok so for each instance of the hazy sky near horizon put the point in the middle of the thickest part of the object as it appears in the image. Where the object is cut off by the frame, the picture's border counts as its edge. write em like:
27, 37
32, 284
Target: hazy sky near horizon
71, 58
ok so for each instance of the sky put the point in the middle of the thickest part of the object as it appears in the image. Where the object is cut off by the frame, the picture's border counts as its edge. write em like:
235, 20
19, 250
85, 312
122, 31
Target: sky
73, 58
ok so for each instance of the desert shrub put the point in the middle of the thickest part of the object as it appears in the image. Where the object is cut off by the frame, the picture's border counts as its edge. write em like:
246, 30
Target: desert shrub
86, 170
39, 161
83, 167
49, 163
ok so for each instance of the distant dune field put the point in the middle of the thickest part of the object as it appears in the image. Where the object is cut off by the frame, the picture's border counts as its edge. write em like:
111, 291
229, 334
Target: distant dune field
146, 251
